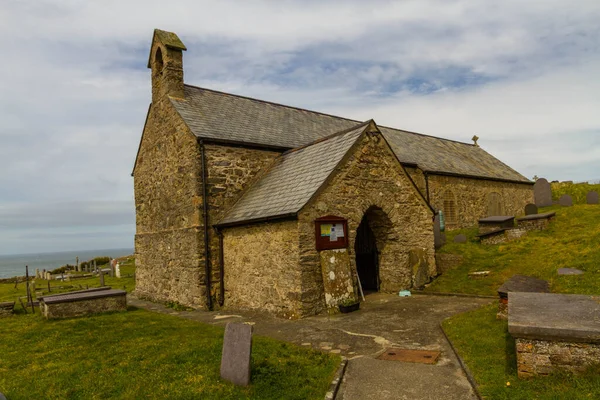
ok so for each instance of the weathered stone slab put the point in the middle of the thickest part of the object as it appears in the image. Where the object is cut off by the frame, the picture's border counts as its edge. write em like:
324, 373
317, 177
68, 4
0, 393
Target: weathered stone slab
237, 352
542, 193
593, 197
337, 277
519, 283
461, 238
566, 200
531, 209
81, 303
496, 222
570, 271
419, 266
551, 316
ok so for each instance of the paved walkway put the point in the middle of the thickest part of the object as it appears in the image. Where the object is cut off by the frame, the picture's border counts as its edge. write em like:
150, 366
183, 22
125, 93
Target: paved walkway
383, 321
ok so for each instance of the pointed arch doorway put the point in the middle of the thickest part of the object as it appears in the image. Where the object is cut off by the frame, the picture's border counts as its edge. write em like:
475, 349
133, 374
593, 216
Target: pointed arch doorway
370, 240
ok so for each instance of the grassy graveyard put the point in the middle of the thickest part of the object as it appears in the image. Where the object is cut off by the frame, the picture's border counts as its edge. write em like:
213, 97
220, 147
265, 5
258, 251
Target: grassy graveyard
8, 291
487, 348
572, 241
141, 354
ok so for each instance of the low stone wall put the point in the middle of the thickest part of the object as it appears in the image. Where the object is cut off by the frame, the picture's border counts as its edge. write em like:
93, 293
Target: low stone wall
84, 307
541, 357
535, 224
446, 261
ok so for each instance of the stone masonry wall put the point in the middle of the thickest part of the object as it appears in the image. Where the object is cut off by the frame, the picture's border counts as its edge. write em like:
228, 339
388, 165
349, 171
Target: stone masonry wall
368, 177
231, 171
540, 357
535, 224
261, 268
472, 197
169, 256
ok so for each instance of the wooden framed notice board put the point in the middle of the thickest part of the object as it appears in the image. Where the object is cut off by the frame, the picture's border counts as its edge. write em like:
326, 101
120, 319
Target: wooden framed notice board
331, 232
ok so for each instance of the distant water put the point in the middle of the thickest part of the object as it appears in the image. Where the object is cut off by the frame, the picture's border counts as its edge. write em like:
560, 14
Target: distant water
14, 265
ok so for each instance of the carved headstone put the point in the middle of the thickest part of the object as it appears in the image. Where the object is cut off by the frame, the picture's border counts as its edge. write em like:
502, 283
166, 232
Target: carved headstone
460, 238
566, 200
531, 209
593, 198
237, 349
542, 193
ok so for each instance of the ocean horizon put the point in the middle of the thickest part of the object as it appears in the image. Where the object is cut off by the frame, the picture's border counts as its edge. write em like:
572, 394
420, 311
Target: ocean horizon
14, 264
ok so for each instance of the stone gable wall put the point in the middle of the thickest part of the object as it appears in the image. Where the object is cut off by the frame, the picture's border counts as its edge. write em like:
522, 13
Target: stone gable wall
261, 268
472, 197
369, 176
169, 256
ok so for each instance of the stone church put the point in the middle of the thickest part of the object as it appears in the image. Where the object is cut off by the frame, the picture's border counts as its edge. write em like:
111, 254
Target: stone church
243, 203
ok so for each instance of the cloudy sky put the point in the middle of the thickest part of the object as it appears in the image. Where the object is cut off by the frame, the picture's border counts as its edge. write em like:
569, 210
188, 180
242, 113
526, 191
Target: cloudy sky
74, 89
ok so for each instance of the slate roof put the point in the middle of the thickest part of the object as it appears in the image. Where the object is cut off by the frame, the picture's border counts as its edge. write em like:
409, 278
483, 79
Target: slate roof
293, 178
225, 117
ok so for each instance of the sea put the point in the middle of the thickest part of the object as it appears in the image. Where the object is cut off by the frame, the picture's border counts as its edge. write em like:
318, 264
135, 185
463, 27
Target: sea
14, 265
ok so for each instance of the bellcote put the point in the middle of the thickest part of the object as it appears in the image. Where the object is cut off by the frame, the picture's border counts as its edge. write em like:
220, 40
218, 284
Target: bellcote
166, 63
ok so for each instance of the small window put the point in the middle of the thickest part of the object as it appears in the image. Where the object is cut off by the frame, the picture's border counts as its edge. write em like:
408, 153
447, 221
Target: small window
450, 208
158, 60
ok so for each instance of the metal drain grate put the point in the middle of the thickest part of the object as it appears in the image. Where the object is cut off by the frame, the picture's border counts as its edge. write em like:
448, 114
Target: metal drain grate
413, 356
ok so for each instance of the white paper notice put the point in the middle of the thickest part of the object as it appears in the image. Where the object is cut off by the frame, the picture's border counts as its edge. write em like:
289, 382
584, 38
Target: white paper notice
333, 234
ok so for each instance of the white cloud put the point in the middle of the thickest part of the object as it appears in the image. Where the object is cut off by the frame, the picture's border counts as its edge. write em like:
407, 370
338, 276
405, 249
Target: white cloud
74, 89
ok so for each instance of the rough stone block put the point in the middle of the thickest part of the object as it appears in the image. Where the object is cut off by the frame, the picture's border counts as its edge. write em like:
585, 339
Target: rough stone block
237, 352
337, 277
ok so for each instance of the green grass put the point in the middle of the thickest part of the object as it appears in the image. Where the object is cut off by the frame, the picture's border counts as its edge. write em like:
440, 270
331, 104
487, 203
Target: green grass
140, 354
8, 292
572, 241
488, 350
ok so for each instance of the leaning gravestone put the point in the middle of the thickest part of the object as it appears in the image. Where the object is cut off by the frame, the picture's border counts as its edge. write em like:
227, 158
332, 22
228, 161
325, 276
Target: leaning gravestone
460, 238
566, 200
542, 193
593, 198
237, 349
531, 209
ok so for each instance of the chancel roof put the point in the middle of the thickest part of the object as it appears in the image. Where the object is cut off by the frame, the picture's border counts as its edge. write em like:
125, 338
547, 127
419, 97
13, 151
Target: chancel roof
228, 118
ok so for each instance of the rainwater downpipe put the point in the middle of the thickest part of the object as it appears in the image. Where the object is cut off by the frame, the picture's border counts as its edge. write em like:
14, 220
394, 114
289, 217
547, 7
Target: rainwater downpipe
221, 269
209, 304
427, 186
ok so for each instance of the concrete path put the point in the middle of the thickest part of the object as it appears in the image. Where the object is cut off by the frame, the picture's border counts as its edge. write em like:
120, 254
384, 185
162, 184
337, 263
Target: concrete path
383, 321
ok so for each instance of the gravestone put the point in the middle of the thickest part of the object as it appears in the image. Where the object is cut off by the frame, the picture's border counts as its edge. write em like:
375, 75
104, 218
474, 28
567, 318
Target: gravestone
2, 397
570, 271
531, 209
101, 278
566, 200
593, 198
460, 238
542, 193
237, 350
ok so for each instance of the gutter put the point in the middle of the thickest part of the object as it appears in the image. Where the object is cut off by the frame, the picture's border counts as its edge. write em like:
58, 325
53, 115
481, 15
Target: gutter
427, 185
255, 220
207, 281
441, 173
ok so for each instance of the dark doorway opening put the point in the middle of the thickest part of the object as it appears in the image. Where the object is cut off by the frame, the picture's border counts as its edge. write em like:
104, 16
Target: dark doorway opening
367, 257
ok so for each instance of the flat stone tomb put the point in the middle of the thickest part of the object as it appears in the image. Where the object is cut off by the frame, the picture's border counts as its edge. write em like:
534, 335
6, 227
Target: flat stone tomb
237, 352
536, 221
496, 222
83, 302
7, 308
554, 332
518, 283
